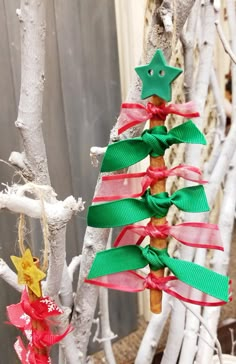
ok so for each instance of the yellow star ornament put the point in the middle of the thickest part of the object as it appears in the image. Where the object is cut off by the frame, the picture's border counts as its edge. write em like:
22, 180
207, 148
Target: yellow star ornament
28, 273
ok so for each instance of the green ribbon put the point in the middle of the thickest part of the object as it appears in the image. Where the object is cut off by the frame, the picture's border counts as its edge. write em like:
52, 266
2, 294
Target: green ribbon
132, 257
154, 141
130, 210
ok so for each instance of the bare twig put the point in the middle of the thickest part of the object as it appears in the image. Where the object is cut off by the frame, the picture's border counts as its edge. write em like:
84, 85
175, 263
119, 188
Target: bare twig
224, 41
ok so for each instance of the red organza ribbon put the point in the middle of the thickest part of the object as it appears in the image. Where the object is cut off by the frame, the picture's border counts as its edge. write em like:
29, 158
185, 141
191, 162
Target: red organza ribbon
135, 184
28, 356
133, 114
194, 234
131, 281
21, 316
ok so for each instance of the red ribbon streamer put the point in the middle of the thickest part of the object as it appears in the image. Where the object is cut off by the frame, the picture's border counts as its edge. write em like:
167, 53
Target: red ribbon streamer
194, 234
135, 184
21, 316
131, 281
28, 356
132, 114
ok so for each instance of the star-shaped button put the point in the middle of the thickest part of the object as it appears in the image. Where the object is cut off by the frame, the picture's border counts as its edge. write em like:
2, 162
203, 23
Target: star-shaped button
157, 77
28, 273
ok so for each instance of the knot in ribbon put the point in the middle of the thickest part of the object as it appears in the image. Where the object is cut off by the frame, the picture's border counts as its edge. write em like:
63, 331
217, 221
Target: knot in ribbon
157, 112
156, 174
159, 204
155, 141
153, 257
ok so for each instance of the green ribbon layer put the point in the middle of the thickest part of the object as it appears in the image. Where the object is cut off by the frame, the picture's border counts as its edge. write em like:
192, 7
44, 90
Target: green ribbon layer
132, 257
130, 210
154, 141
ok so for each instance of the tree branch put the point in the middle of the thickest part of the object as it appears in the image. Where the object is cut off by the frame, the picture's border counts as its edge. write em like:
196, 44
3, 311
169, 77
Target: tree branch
9, 276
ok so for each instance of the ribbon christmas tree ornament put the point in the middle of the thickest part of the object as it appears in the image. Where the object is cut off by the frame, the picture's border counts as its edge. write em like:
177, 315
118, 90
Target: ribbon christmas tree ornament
132, 257
131, 200
154, 141
133, 114
125, 185
130, 210
194, 234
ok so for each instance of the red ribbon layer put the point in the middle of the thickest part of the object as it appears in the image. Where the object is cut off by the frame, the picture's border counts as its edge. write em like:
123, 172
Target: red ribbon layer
194, 234
135, 184
132, 114
131, 281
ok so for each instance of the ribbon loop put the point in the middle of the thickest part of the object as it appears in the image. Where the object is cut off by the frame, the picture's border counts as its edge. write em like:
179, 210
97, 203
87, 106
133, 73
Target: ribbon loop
153, 257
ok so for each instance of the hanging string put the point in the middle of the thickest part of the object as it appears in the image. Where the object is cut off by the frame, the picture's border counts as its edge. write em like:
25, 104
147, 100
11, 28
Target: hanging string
21, 233
44, 224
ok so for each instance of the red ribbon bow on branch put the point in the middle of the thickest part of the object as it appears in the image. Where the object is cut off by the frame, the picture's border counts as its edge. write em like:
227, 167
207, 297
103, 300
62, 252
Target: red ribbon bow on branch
130, 281
135, 184
194, 234
132, 114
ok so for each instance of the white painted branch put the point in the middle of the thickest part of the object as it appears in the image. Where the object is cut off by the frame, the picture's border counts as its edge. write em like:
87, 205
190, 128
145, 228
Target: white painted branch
220, 126
66, 289
166, 14
94, 153
153, 333
73, 266
188, 41
105, 319
29, 120
210, 333
9, 276
59, 212
67, 345
105, 326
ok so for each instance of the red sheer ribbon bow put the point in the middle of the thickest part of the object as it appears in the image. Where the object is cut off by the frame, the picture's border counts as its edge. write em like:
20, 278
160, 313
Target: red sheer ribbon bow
194, 234
131, 281
135, 184
132, 114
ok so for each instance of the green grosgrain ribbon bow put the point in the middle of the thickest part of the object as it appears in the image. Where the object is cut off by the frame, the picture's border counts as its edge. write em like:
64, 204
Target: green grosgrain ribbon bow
130, 210
132, 257
154, 141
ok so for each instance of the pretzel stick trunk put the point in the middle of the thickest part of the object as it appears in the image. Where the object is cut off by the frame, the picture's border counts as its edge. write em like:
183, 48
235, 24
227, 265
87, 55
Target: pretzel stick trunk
158, 187
36, 324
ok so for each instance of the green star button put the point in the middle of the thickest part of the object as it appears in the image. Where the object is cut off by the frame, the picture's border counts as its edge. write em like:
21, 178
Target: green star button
157, 77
